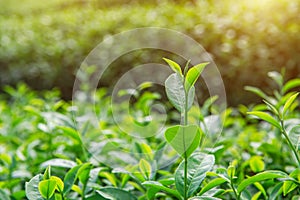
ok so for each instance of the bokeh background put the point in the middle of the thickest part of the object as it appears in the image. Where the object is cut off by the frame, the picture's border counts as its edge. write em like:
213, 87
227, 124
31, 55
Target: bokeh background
43, 43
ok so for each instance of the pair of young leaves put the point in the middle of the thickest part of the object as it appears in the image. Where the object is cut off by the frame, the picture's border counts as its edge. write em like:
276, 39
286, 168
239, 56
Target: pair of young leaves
180, 92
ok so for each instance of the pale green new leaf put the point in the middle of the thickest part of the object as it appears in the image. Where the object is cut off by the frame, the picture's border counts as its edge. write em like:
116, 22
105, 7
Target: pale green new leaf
291, 84
47, 173
266, 117
288, 186
47, 188
174, 66
193, 74
257, 91
213, 183
184, 139
198, 165
59, 183
272, 107
288, 103
277, 77
145, 168
256, 164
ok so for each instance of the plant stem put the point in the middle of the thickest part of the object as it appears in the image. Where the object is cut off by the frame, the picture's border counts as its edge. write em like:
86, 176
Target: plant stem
289, 142
234, 191
83, 191
185, 122
185, 176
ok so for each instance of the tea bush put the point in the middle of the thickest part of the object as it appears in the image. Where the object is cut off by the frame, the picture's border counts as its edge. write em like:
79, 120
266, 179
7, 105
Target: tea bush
51, 149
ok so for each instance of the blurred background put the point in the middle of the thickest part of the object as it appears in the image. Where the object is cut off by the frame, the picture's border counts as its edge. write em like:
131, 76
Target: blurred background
43, 43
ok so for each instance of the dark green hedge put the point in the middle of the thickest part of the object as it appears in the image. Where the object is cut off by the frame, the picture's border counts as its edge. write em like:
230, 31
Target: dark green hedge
44, 47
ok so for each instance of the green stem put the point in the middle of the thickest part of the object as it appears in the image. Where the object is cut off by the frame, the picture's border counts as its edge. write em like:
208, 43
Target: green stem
234, 190
289, 142
83, 191
185, 176
185, 122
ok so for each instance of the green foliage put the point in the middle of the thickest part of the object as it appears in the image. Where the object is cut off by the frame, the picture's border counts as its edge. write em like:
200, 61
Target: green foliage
44, 154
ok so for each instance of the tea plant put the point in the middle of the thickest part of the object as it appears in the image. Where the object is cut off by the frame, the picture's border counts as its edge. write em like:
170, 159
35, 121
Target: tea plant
279, 106
185, 138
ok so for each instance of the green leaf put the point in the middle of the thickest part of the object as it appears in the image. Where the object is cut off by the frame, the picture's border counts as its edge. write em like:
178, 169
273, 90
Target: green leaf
277, 77
110, 177
261, 189
58, 162
176, 94
271, 174
213, 183
68, 131
288, 103
288, 186
291, 84
231, 171
47, 188
70, 178
184, 139
84, 173
147, 151
276, 190
59, 183
193, 74
266, 117
77, 189
256, 196
198, 165
256, 164
116, 193
151, 192
31, 188
256, 91
272, 107
174, 66
159, 186
47, 173
145, 168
